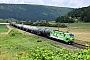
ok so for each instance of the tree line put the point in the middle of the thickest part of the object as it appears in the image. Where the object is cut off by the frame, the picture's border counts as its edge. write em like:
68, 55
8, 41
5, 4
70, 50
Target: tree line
33, 23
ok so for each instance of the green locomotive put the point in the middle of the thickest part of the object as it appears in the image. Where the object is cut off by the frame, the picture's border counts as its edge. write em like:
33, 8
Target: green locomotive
66, 37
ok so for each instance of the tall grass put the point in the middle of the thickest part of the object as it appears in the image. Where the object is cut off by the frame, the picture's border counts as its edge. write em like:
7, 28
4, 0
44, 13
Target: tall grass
21, 46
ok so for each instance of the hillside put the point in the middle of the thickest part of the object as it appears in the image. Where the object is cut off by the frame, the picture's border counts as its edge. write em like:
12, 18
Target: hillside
76, 15
81, 14
31, 12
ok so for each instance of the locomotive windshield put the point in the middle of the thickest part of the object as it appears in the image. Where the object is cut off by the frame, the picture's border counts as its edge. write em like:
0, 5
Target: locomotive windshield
71, 35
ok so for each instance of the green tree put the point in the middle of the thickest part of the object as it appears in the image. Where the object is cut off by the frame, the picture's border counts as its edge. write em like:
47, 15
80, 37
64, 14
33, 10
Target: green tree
65, 19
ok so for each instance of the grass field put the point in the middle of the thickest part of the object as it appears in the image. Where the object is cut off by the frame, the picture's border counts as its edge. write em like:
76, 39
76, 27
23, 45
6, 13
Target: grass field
16, 42
81, 31
3, 28
21, 46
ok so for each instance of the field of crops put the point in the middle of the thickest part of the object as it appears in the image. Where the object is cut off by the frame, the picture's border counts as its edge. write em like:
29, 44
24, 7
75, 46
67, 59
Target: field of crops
3, 28
21, 46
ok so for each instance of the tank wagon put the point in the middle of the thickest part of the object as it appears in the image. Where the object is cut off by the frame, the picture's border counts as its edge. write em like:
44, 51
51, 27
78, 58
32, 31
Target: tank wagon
58, 35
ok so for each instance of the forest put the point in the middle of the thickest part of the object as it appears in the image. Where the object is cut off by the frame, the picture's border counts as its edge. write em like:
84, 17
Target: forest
76, 15
31, 12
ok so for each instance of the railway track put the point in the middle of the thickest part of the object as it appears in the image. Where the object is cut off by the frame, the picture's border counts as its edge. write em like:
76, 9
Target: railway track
80, 46
73, 46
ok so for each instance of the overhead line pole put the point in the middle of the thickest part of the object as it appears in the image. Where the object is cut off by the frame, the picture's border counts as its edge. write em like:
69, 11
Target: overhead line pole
58, 26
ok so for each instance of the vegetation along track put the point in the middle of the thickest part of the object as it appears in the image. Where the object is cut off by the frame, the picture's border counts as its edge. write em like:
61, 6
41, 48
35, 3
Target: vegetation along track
72, 46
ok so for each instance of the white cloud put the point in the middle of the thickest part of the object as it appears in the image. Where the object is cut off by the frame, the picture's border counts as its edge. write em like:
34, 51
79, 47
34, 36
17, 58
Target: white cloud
61, 3
33, 1
22, 2
78, 3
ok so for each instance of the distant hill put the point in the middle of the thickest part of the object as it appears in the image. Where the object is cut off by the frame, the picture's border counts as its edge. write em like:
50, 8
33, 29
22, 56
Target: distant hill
76, 15
32, 12
81, 14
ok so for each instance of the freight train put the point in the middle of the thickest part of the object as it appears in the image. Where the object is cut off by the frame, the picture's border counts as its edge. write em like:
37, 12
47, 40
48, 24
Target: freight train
58, 35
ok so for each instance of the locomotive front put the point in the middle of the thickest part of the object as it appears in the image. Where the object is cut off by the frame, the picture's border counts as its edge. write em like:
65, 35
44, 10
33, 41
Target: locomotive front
69, 38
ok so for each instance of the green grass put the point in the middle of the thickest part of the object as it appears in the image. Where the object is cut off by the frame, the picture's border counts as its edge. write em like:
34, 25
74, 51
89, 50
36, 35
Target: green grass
78, 24
85, 26
21, 46
3, 28
16, 42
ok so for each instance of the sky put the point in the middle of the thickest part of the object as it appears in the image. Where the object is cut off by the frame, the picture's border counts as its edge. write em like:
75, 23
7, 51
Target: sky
58, 3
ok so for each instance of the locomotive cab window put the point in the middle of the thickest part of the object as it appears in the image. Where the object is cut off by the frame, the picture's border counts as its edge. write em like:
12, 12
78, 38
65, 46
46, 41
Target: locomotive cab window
71, 35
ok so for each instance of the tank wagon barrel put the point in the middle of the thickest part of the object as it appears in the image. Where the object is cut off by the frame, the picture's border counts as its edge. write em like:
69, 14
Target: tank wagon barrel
59, 35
